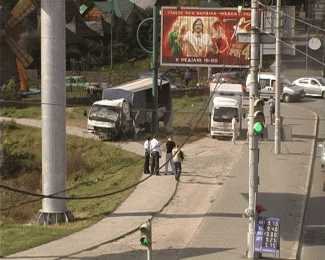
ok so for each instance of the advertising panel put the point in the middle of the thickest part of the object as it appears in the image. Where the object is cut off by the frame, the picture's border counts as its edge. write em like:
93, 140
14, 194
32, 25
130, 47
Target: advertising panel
204, 37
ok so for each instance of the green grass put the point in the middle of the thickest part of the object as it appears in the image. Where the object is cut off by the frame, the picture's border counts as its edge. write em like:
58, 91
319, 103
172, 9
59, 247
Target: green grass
98, 167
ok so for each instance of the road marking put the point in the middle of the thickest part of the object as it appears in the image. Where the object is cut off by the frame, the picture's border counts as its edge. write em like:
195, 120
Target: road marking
315, 226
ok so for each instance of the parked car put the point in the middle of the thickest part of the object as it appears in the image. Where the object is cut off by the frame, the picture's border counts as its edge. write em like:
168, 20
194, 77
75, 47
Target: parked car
77, 82
312, 86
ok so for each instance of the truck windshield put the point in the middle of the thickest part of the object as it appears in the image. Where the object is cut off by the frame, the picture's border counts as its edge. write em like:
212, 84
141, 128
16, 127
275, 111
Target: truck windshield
103, 113
224, 114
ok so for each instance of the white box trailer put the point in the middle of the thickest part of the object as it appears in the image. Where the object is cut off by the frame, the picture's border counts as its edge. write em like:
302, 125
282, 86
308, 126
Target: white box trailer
129, 106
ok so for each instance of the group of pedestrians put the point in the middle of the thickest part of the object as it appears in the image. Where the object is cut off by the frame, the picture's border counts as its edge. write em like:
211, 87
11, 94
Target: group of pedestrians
174, 157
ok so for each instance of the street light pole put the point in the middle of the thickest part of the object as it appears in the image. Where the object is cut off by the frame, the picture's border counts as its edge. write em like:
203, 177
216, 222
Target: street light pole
278, 85
253, 139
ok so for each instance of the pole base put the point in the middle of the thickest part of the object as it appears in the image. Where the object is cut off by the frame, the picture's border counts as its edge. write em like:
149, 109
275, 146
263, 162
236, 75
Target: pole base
48, 218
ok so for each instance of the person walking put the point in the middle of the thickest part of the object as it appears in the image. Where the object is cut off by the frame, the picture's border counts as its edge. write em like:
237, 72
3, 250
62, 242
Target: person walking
155, 155
234, 128
271, 103
170, 144
187, 77
178, 157
147, 155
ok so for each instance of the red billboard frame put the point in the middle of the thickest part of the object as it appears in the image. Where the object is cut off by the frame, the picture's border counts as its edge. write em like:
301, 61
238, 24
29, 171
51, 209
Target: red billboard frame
204, 37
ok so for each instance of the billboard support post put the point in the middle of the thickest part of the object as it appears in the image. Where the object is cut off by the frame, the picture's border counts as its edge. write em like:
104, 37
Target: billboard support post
154, 67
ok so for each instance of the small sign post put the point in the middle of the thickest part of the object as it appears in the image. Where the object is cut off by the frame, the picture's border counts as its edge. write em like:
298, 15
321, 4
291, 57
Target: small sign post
267, 235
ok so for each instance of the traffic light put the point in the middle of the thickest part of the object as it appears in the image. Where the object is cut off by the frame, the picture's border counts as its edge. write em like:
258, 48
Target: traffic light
259, 118
145, 234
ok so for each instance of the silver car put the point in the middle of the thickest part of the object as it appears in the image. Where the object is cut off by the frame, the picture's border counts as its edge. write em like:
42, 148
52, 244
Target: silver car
312, 86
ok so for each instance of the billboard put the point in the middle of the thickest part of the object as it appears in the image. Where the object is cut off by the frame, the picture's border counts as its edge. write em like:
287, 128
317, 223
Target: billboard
204, 37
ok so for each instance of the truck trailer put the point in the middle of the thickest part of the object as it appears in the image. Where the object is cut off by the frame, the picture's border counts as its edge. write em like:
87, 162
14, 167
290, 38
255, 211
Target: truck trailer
127, 108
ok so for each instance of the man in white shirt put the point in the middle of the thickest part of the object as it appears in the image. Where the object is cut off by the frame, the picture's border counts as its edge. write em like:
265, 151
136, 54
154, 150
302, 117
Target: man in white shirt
234, 127
155, 155
198, 43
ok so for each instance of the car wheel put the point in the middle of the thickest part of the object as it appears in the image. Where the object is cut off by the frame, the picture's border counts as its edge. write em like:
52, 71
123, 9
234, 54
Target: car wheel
286, 98
323, 94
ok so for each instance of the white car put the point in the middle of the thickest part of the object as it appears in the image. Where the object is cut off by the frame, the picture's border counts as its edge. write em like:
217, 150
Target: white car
312, 86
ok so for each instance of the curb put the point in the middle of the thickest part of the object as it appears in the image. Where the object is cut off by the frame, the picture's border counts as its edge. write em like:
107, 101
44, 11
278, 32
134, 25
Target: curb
311, 166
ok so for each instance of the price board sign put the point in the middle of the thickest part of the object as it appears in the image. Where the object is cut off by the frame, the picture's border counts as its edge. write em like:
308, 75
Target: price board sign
267, 234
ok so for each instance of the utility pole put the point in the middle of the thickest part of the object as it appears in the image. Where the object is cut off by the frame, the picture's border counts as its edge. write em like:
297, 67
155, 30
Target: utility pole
253, 138
53, 67
278, 85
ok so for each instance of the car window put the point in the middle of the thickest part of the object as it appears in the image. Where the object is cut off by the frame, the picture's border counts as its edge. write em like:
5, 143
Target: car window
303, 81
313, 82
264, 83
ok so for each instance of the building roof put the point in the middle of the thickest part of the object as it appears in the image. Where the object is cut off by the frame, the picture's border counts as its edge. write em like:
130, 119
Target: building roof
120, 7
83, 8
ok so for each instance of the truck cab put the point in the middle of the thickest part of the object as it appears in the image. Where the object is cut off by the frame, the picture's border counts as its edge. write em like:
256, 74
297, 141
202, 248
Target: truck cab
223, 109
110, 118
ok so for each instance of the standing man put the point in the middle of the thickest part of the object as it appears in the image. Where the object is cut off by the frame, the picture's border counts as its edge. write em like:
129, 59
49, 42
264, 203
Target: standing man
147, 155
187, 77
234, 128
178, 157
271, 103
169, 147
155, 155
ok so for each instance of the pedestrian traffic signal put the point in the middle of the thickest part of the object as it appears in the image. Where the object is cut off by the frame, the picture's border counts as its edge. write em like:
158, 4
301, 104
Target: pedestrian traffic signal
145, 234
259, 118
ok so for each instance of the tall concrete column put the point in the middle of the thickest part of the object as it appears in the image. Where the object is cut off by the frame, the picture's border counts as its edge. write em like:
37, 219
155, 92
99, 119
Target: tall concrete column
53, 56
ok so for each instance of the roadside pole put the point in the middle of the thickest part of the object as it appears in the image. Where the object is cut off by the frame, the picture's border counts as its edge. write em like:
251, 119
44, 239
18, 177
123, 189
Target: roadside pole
278, 85
154, 67
253, 139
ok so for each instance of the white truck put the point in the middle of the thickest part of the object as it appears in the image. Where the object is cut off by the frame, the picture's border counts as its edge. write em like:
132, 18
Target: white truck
225, 103
128, 107
290, 93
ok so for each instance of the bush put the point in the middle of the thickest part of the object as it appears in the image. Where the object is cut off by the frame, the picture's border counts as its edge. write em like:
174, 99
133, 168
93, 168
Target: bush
10, 91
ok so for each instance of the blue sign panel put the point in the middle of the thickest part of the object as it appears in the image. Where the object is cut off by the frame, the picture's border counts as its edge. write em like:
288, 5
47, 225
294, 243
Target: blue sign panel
267, 234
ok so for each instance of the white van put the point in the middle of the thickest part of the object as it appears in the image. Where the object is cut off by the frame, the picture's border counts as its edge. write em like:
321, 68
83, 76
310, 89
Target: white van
266, 82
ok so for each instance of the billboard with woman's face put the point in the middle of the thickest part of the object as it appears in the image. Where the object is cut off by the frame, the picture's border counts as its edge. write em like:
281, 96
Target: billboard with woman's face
204, 37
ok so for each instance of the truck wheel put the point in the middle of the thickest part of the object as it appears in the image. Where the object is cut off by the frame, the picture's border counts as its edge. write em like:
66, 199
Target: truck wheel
286, 98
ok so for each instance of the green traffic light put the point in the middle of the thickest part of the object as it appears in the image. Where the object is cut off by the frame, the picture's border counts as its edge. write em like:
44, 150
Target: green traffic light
145, 241
258, 127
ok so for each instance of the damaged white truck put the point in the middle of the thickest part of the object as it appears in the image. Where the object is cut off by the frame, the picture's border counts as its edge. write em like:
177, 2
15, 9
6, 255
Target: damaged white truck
127, 109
